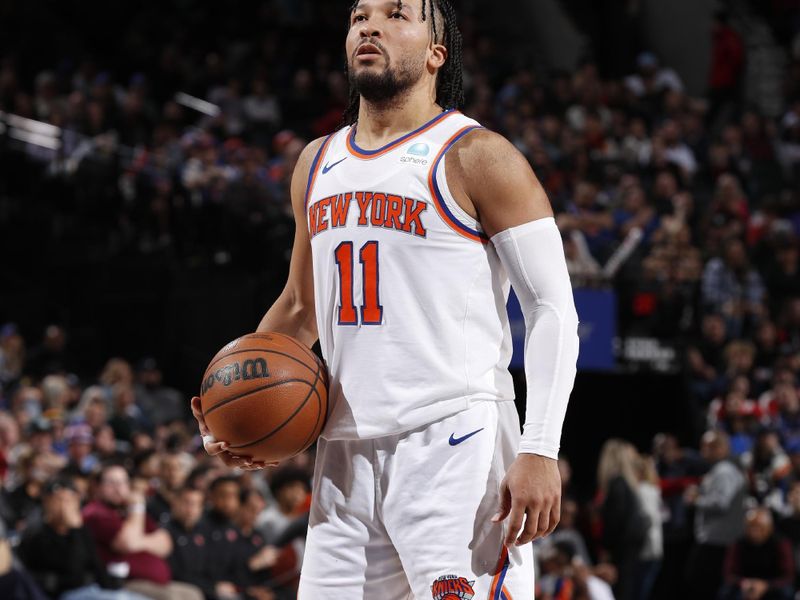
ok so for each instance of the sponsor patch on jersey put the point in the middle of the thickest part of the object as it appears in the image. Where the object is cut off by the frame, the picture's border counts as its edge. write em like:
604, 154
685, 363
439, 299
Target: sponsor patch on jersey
420, 149
452, 587
416, 154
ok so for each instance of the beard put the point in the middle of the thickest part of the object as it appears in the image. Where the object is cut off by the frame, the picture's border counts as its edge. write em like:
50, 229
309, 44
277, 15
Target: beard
387, 86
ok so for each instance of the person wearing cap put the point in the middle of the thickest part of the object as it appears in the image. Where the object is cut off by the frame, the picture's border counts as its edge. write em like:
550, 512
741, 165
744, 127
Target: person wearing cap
79, 447
652, 79
60, 553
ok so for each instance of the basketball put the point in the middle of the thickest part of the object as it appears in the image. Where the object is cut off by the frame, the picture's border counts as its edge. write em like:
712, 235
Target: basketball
266, 395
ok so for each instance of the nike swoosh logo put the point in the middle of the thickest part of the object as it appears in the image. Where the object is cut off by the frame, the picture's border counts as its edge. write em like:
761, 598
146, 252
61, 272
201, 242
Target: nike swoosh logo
328, 167
454, 441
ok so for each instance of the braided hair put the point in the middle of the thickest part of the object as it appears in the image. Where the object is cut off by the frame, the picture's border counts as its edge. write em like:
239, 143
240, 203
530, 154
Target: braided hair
449, 82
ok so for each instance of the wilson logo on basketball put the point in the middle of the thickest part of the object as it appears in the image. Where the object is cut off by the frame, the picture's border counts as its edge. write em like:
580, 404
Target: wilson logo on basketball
255, 368
452, 587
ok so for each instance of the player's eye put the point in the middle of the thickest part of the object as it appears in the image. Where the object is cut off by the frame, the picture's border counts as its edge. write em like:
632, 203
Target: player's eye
396, 14
359, 18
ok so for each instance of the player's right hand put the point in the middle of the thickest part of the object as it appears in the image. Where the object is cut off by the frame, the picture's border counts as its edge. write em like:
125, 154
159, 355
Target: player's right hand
220, 449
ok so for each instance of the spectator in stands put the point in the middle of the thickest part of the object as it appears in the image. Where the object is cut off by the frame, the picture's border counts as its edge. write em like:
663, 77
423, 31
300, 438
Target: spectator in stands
669, 147
24, 501
652, 79
733, 289
564, 575
93, 408
625, 524
738, 417
786, 419
759, 566
262, 110
15, 582
127, 418
79, 447
12, 355
566, 531
107, 447
636, 212
789, 527
257, 558
9, 440
678, 468
60, 553
174, 471
128, 542
116, 371
789, 327
224, 499
719, 516
589, 217
706, 358
767, 468
727, 64
767, 354
652, 552
781, 275
160, 403
192, 554
290, 489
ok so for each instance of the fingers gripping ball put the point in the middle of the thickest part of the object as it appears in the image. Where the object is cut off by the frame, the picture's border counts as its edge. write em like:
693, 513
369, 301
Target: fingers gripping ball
266, 394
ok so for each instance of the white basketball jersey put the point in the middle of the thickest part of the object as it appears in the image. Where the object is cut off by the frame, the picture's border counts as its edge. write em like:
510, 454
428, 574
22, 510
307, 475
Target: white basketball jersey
410, 296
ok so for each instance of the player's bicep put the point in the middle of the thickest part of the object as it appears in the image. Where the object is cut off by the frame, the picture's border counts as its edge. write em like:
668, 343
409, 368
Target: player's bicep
500, 183
300, 283
293, 312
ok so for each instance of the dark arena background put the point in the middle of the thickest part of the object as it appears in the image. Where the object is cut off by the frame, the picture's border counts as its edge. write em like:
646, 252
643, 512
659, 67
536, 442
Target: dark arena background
146, 151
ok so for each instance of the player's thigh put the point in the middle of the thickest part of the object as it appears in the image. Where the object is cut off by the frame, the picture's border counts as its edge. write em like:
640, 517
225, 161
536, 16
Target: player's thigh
348, 553
441, 492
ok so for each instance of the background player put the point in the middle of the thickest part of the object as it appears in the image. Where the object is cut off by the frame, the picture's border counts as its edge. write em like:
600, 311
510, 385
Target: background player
423, 248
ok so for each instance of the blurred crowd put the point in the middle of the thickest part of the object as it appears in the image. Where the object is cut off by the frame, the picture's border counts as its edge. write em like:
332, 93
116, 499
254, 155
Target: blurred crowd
107, 492
179, 145
680, 523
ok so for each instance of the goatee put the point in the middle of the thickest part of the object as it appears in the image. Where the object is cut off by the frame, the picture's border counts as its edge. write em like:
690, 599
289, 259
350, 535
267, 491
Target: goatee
385, 87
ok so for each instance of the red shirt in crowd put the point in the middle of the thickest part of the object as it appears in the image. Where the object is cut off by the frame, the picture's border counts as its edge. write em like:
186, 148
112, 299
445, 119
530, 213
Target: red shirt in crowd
727, 58
104, 522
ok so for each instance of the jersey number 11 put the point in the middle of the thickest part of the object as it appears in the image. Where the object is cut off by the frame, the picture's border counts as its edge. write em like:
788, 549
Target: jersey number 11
371, 309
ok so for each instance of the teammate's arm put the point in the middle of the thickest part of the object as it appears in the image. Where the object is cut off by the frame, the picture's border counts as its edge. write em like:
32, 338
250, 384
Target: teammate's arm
492, 181
293, 312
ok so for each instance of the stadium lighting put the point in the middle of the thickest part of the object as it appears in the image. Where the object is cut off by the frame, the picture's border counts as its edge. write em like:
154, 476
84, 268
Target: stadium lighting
37, 139
37, 127
207, 108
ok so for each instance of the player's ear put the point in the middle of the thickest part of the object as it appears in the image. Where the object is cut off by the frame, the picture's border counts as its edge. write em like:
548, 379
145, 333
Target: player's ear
438, 56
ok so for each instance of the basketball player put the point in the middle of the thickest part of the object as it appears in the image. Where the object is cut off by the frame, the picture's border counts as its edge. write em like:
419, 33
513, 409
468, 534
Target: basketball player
411, 221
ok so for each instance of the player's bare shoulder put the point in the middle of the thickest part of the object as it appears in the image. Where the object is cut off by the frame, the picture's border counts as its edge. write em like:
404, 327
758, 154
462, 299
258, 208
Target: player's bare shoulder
494, 182
481, 153
305, 160
302, 169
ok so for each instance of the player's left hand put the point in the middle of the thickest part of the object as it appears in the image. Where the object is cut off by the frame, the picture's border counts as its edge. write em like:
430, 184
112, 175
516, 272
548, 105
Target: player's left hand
530, 491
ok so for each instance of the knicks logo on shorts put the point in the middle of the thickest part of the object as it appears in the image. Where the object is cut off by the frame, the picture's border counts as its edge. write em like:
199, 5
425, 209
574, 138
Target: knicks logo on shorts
452, 587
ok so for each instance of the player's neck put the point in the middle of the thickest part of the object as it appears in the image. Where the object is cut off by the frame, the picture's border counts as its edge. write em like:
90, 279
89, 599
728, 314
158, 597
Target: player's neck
379, 124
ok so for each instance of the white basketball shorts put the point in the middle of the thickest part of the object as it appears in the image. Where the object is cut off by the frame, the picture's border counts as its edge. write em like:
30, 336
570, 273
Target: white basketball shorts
409, 515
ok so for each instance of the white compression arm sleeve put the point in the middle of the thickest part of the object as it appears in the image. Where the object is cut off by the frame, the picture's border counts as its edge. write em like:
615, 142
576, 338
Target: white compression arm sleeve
533, 256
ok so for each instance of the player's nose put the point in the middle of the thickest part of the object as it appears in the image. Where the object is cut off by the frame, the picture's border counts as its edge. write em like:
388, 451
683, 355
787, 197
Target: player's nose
369, 30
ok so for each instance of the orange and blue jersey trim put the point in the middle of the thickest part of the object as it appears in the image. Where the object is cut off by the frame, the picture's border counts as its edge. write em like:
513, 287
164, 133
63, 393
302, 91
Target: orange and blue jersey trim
312, 173
498, 590
370, 154
441, 206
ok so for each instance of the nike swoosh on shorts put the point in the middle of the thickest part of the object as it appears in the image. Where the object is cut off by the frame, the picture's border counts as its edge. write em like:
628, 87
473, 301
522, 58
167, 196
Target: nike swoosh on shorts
454, 441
